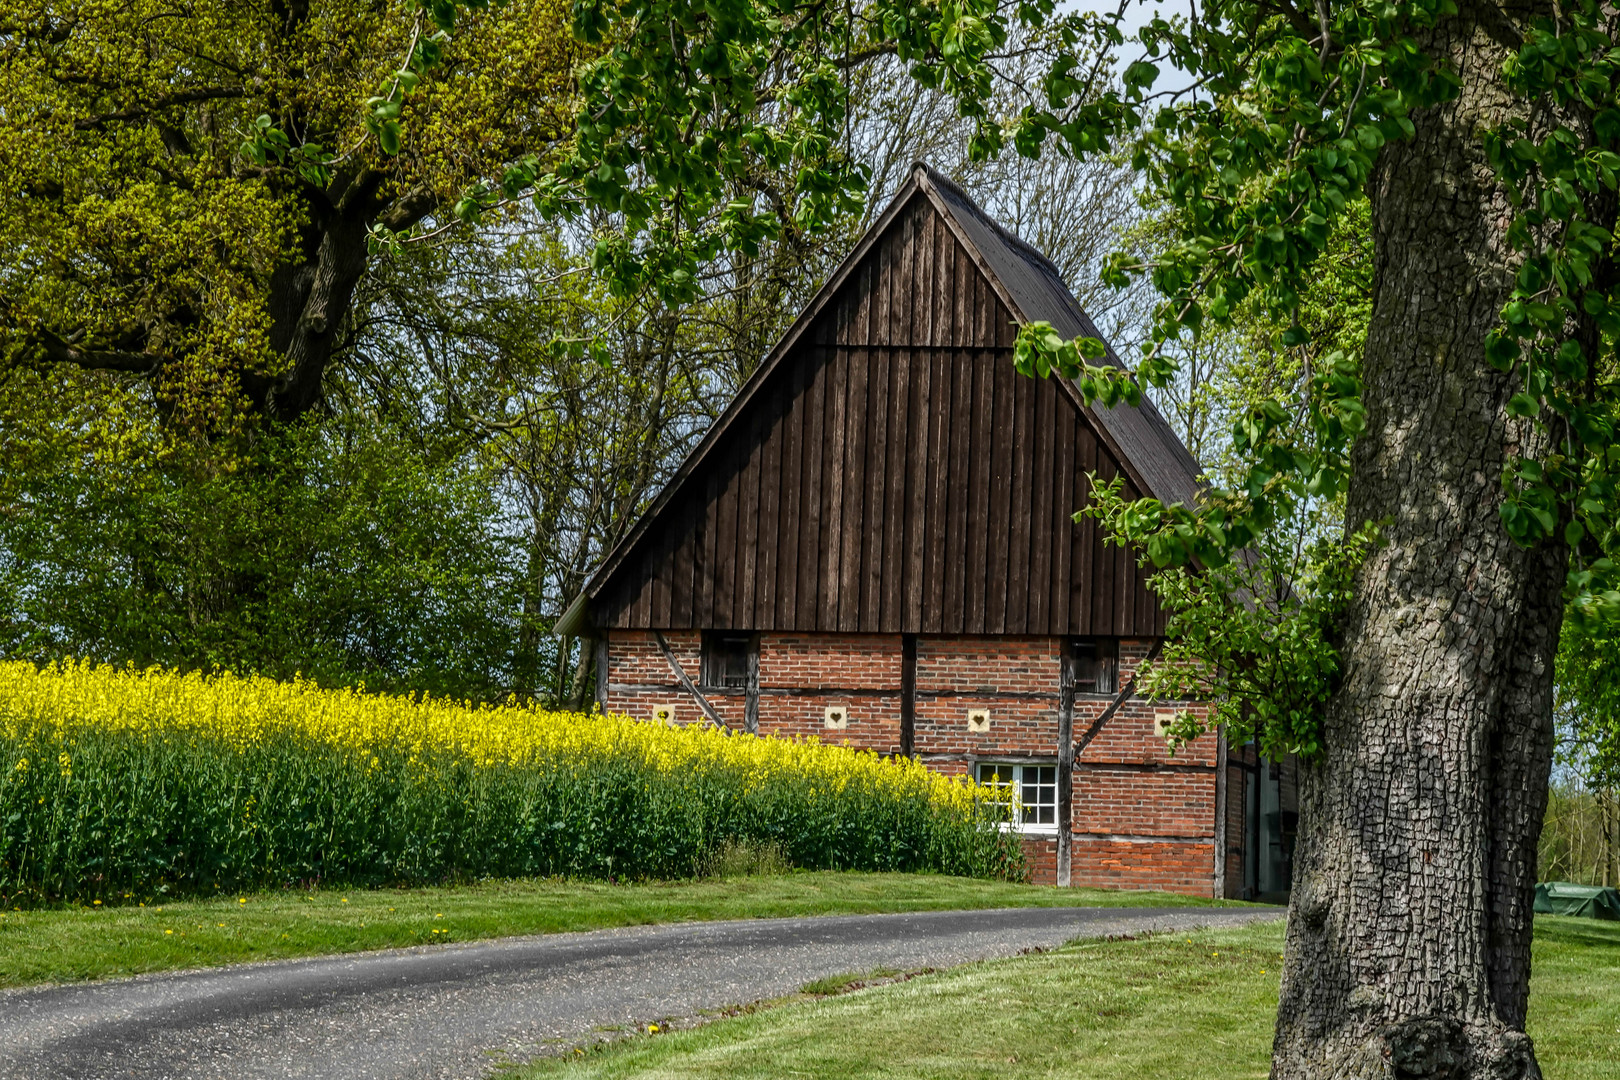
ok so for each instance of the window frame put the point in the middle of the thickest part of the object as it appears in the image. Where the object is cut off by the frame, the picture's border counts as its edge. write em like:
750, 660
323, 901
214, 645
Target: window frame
1104, 654
709, 677
1018, 783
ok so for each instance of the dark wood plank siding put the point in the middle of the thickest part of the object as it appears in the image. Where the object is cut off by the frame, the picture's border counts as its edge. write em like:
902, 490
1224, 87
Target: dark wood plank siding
894, 475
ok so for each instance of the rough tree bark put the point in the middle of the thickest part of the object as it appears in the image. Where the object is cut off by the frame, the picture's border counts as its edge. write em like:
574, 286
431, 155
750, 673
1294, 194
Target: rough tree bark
1409, 929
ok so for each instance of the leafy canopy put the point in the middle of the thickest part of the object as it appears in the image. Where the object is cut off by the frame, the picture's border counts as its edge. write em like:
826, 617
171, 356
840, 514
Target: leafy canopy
1270, 140
170, 175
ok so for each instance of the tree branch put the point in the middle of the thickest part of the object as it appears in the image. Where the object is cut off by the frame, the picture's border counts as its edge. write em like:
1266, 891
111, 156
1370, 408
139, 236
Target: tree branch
63, 351
183, 97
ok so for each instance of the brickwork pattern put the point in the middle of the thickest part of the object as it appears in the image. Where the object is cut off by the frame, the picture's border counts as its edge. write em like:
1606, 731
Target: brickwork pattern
1014, 679
1142, 818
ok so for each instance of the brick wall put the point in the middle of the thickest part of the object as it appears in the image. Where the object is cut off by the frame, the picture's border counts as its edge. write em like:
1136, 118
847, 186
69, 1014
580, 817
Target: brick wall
1015, 679
1142, 818
1125, 863
858, 673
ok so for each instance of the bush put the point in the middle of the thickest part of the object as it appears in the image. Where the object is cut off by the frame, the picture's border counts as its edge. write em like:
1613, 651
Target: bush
156, 783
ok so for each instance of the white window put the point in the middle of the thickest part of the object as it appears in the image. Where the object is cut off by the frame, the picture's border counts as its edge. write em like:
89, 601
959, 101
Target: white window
1030, 793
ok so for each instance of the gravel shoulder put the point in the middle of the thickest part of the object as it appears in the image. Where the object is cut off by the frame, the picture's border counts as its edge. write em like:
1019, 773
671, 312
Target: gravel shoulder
457, 1011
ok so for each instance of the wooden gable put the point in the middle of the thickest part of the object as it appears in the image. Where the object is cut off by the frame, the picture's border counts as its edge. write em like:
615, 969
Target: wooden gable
887, 470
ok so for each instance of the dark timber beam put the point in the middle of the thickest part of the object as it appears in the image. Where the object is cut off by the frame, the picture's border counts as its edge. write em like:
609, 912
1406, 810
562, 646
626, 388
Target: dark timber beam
1065, 770
908, 694
680, 675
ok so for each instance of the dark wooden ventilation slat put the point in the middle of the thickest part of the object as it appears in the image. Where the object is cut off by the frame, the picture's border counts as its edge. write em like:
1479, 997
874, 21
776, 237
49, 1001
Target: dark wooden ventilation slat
1042, 469
980, 417
946, 325
932, 524
891, 582
792, 480
917, 479
1063, 451
688, 532
742, 604
832, 530
811, 545
725, 550
914, 284
854, 468
959, 493
1084, 568
1021, 505
769, 512
1102, 576
999, 524
874, 489
704, 566
663, 575
873, 463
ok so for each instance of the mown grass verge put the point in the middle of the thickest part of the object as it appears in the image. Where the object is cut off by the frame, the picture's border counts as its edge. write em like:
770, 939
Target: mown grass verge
94, 942
1165, 1007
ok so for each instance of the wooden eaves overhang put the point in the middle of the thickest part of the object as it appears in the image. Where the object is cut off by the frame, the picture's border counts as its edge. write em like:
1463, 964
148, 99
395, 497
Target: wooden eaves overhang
1027, 285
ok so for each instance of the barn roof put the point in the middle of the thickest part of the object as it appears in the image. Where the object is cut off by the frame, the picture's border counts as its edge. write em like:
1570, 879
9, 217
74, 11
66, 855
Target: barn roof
1152, 457
1036, 293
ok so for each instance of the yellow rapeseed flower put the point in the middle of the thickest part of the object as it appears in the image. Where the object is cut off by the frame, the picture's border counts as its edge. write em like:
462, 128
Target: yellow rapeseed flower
71, 697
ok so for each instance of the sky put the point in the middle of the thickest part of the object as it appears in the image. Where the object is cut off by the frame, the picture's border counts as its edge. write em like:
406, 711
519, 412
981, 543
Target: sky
1137, 15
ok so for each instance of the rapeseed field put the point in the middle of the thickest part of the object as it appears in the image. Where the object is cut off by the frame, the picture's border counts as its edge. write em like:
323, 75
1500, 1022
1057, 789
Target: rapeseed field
121, 783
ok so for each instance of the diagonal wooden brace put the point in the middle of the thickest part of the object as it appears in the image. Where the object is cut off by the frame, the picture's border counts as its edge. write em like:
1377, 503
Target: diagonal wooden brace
697, 695
1121, 698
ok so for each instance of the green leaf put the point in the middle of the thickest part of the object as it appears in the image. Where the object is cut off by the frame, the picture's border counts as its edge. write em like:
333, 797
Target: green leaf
1522, 404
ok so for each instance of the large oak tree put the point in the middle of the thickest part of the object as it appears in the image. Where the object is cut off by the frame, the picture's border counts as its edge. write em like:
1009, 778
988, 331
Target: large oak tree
189, 193
1475, 433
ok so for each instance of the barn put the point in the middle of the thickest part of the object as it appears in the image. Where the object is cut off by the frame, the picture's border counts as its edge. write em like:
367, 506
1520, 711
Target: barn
874, 545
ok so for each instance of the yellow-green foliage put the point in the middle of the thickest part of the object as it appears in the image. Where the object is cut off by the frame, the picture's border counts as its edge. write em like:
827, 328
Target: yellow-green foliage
122, 782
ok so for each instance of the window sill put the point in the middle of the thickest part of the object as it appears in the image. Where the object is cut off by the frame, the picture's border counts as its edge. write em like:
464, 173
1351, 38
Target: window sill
1029, 830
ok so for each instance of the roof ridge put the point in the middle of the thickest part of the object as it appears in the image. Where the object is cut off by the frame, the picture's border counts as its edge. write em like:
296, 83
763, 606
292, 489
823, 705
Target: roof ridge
1012, 238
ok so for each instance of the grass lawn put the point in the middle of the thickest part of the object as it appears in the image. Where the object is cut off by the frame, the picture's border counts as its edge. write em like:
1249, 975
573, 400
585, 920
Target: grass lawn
1161, 1008
65, 944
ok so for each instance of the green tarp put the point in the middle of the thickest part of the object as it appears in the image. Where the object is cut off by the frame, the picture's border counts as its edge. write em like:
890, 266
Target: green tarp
1590, 901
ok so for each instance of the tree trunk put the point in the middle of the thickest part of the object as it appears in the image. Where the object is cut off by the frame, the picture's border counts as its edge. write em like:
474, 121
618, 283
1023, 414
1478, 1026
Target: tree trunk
310, 293
1409, 930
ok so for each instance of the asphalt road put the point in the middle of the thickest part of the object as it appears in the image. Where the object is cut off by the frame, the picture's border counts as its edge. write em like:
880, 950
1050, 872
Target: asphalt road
455, 1011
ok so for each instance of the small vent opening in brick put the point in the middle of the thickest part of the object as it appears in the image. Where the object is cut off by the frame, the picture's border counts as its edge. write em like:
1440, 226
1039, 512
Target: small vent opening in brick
1094, 665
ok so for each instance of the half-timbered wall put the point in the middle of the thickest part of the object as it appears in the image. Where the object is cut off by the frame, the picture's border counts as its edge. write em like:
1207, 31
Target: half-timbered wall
894, 474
